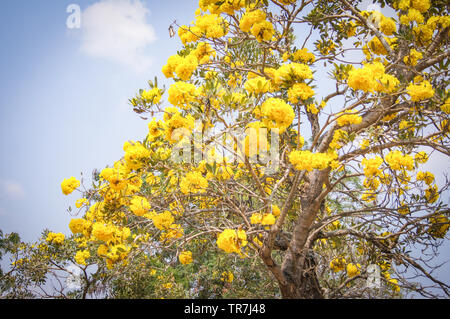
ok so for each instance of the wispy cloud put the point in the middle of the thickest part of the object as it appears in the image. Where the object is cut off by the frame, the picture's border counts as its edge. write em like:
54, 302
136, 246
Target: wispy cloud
118, 30
12, 189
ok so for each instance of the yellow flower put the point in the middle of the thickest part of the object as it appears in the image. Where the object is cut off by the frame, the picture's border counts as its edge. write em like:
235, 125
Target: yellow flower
439, 226
295, 72
305, 160
227, 276
257, 85
278, 111
103, 232
193, 182
353, 270
139, 205
135, 154
211, 25
256, 218
420, 92
81, 202
69, 185
446, 106
262, 31
181, 94
81, 256
152, 96
231, 240
79, 225
427, 177
348, 118
398, 161
276, 210
300, 91
185, 257
268, 219
55, 238
250, 18
413, 57
337, 264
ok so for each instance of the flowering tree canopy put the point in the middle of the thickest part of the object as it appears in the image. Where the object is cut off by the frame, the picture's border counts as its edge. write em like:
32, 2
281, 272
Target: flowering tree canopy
264, 176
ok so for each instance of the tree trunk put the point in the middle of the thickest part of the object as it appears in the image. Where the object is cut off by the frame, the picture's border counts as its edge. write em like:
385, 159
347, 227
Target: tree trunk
299, 266
302, 283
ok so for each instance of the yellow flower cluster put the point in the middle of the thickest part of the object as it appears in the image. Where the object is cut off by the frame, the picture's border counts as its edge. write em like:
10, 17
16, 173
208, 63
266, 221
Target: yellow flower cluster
81, 202
398, 161
372, 166
372, 78
385, 25
231, 240
185, 257
181, 94
258, 85
263, 219
113, 253
420, 92
439, 226
184, 67
413, 15
337, 264
348, 118
306, 160
420, 5
217, 7
227, 276
255, 139
55, 238
139, 205
193, 182
80, 226
163, 221
255, 22
292, 72
353, 270
81, 256
109, 233
340, 138
176, 125
135, 154
69, 185
421, 157
155, 129
203, 52
300, 91
431, 194
115, 176
210, 26
152, 96
277, 113
413, 57
446, 106
426, 177
302, 55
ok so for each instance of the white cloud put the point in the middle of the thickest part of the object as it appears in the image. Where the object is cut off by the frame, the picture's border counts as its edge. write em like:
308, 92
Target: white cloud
118, 30
12, 189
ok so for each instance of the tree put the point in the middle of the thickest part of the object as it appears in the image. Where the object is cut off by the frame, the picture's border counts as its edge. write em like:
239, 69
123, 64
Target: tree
261, 170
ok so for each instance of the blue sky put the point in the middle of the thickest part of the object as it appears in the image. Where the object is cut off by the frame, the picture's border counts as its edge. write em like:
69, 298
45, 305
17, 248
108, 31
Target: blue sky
64, 98
63, 106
